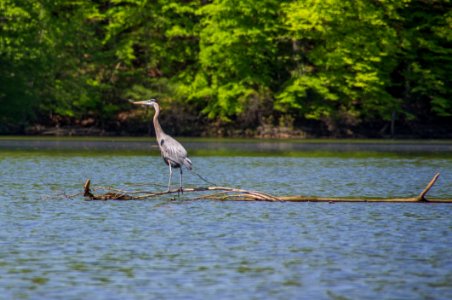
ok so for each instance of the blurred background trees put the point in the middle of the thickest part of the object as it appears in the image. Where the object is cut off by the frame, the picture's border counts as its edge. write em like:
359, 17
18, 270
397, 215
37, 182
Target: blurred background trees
228, 67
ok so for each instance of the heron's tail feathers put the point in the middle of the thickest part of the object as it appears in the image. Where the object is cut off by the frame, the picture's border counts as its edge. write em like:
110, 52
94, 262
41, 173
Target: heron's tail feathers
187, 163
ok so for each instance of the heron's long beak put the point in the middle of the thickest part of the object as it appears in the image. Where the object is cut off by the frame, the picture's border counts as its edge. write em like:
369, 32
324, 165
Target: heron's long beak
140, 102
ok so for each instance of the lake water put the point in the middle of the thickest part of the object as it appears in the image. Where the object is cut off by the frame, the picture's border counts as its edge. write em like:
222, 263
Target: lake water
53, 247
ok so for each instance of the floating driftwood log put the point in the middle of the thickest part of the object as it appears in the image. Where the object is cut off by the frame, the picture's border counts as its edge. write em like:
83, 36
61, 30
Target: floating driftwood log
235, 194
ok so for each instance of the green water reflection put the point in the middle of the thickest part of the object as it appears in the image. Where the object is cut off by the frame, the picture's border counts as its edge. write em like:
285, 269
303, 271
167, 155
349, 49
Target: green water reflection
231, 147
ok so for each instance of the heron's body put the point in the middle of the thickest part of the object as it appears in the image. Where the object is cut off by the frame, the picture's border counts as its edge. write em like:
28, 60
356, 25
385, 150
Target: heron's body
173, 153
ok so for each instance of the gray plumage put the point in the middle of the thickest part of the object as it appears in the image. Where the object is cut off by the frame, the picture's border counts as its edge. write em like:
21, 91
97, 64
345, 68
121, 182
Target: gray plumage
173, 153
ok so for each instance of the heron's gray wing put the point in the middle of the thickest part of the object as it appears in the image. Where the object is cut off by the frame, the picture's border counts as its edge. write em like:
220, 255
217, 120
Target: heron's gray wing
172, 150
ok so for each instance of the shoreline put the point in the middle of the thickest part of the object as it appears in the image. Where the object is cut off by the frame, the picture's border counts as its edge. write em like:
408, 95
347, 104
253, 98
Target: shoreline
278, 134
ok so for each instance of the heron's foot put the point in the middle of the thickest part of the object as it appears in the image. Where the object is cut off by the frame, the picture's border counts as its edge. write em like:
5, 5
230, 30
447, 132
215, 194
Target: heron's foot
180, 190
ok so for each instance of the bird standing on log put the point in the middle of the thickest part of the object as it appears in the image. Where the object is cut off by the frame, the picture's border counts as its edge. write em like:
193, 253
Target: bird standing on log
173, 153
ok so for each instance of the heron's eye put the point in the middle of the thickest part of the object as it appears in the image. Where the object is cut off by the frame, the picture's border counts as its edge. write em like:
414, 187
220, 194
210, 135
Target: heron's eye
161, 142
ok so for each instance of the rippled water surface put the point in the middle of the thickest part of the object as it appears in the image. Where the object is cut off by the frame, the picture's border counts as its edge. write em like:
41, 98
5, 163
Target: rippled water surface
52, 247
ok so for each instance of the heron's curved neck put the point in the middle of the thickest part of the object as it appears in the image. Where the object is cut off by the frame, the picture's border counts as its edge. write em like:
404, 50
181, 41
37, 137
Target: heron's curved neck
157, 127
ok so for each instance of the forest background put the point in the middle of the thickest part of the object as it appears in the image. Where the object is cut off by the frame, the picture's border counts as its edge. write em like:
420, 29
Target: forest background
267, 68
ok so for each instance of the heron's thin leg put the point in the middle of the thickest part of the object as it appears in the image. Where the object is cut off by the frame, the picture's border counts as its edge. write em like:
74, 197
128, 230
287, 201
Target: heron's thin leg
170, 175
180, 181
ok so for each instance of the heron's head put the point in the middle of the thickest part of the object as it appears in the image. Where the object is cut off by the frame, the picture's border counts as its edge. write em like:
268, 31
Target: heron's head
150, 102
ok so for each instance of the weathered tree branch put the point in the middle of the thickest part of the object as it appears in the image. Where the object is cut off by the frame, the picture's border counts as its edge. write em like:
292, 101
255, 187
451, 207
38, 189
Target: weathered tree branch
228, 193
421, 196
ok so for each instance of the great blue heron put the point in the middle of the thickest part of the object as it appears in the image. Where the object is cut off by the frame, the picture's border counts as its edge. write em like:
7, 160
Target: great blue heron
173, 153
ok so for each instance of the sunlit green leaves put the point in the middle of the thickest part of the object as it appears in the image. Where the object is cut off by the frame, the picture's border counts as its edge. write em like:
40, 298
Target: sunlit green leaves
326, 60
348, 53
238, 49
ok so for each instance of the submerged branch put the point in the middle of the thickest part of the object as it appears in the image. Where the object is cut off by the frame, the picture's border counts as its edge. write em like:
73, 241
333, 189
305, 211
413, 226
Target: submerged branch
222, 193
117, 194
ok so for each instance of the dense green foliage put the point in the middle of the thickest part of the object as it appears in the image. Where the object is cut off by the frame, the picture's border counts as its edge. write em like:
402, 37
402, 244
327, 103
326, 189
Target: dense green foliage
333, 62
